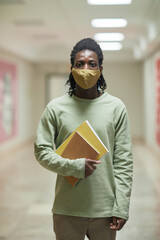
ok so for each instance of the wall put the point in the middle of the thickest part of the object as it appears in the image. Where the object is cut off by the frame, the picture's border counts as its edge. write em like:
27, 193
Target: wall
149, 82
124, 80
26, 100
42, 72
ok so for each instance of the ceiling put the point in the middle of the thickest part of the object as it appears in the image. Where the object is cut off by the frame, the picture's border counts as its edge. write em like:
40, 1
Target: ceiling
47, 30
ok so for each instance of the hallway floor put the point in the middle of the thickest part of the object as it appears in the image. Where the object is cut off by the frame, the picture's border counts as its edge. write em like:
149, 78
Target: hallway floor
27, 191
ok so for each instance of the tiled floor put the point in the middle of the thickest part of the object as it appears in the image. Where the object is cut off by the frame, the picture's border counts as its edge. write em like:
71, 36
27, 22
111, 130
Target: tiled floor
27, 191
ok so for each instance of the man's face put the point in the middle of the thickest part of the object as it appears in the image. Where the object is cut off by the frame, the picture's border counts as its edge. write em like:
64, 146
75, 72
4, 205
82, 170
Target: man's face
86, 70
86, 59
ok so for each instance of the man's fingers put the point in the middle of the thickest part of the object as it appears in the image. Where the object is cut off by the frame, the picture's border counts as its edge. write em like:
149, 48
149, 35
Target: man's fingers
113, 224
117, 223
89, 166
121, 223
92, 162
88, 171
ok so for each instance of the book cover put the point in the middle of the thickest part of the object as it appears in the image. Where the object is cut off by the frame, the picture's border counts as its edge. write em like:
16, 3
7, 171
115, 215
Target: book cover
78, 147
86, 132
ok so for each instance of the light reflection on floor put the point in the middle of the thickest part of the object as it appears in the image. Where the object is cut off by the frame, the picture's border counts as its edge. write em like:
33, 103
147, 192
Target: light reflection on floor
27, 191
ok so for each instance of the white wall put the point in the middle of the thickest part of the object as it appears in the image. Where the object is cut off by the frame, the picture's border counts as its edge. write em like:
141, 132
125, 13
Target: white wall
124, 80
26, 100
149, 83
42, 72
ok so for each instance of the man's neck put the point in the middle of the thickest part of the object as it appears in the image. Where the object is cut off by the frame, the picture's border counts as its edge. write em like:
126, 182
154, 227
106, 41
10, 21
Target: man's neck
86, 93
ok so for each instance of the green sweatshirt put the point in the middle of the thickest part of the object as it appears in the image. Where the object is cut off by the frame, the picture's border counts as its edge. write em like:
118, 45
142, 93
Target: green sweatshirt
107, 191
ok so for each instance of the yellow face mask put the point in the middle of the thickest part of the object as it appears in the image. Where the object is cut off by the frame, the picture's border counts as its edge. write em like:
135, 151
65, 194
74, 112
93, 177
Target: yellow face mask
85, 78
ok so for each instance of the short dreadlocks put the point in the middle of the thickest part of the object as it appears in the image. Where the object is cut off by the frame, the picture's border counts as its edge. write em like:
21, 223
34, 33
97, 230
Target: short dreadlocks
90, 44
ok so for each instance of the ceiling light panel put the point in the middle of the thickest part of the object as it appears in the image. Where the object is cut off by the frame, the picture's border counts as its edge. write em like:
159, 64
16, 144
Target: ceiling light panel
109, 2
110, 46
108, 37
109, 22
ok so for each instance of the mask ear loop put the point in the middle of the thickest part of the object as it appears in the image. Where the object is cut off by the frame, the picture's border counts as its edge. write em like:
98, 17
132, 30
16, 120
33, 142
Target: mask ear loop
98, 84
74, 83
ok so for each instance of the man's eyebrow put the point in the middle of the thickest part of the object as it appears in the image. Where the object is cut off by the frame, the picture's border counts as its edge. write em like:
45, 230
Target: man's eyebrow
80, 60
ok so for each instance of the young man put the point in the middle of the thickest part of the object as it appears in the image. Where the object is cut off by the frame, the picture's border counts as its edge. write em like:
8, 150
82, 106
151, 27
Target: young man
98, 205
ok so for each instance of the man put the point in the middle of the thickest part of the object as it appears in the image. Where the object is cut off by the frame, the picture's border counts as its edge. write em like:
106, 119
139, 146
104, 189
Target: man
98, 205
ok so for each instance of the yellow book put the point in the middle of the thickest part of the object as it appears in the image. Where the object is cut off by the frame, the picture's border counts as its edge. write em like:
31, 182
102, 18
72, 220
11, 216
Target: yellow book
78, 147
84, 135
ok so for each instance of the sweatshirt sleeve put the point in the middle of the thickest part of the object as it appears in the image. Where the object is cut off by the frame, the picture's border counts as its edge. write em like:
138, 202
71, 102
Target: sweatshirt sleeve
45, 155
123, 166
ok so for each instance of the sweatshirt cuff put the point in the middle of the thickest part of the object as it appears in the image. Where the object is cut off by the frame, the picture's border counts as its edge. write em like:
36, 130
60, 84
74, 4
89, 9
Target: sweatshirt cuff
78, 166
120, 215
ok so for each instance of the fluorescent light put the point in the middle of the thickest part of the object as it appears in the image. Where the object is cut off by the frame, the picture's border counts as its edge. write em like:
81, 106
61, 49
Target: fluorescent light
109, 2
108, 22
110, 46
108, 36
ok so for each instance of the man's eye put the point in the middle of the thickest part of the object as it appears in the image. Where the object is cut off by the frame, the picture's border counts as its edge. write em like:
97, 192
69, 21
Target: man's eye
79, 64
93, 64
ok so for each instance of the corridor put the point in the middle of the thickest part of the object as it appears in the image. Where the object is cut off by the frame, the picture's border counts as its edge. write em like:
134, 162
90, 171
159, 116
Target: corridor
38, 51
27, 192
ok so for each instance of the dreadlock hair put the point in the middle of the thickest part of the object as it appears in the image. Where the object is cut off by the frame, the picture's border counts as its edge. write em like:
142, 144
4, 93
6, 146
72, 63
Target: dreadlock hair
90, 44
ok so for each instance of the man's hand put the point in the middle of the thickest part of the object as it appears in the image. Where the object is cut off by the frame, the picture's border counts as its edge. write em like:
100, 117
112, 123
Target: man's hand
89, 166
117, 223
